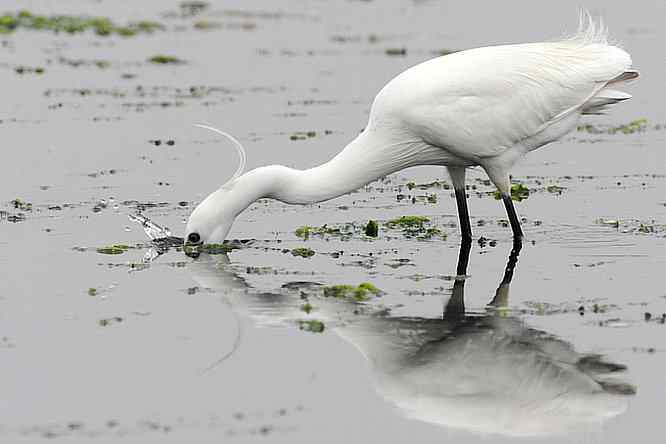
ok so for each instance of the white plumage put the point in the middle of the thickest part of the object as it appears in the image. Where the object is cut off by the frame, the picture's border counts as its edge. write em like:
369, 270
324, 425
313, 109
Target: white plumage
485, 106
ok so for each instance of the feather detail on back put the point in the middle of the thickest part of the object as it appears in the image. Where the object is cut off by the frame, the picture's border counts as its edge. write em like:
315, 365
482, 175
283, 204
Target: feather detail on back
479, 103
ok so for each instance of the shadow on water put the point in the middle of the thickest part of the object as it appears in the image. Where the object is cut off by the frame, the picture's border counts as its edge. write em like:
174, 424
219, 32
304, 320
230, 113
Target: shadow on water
484, 372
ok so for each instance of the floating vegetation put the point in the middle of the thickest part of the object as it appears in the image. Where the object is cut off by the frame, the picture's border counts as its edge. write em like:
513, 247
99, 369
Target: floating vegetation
76, 63
441, 184
222, 248
92, 291
408, 222
109, 321
519, 192
638, 125
307, 307
313, 326
113, 249
205, 25
161, 59
20, 70
432, 232
306, 231
555, 189
360, 293
71, 24
372, 229
396, 51
415, 226
302, 252
302, 135
21, 205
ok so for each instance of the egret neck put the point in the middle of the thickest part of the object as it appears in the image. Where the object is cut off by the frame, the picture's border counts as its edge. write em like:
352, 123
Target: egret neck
362, 161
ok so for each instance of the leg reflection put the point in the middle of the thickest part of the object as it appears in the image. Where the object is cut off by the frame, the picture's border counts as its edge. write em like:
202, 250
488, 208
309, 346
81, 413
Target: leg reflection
501, 298
456, 306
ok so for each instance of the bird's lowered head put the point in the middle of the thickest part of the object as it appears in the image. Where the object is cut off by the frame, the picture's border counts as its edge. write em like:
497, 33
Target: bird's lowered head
212, 219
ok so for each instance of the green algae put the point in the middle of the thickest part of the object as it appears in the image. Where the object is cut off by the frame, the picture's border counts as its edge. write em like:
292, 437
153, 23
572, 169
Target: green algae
223, 248
313, 326
519, 192
396, 51
71, 24
109, 321
440, 184
408, 222
307, 307
20, 204
302, 252
306, 231
555, 189
431, 233
637, 125
113, 249
162, 59
362, 292
206, 25
303, 135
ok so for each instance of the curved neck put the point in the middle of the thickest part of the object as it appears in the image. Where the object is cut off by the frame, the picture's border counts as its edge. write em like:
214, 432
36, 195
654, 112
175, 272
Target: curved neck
364, 160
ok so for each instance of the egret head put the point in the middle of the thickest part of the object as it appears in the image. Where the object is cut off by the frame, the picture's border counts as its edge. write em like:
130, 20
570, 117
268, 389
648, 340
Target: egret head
211, 220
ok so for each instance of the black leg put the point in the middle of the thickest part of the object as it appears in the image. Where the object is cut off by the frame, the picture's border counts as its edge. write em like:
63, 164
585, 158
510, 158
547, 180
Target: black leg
463, 215
455, 307
513, 218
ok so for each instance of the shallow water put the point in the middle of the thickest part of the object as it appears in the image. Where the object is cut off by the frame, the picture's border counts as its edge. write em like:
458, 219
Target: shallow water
141, 346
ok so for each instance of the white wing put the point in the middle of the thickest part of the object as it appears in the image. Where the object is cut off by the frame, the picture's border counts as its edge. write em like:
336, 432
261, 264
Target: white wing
478, 103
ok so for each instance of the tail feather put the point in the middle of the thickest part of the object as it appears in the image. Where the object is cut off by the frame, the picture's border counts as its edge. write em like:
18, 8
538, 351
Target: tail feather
598, 103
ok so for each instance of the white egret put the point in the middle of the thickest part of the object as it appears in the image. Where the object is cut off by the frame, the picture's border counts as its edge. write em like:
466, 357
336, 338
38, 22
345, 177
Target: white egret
483, 107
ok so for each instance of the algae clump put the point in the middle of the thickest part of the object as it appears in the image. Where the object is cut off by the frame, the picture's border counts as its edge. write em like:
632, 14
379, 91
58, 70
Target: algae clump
313, 326
161, 59
360, 293
302, 252
71, 24
408, 222
113, 249
519, 192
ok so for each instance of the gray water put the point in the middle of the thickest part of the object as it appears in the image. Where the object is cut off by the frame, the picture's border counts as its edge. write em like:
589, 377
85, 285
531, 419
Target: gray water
214, 349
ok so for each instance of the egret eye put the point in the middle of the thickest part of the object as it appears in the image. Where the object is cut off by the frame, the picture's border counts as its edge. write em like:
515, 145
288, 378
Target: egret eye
193, 238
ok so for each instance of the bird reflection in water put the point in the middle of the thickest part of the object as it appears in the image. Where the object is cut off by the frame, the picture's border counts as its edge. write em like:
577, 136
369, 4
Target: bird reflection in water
484, 372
